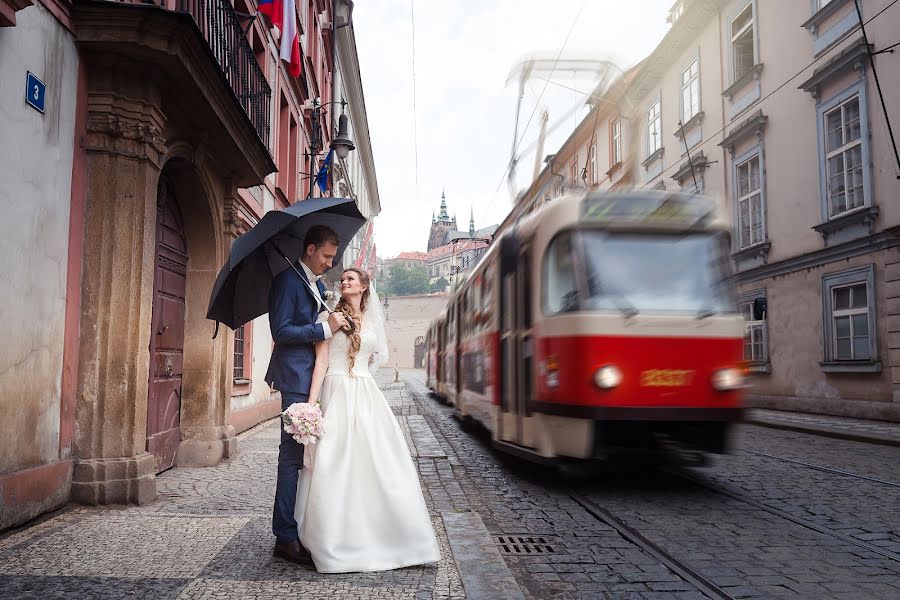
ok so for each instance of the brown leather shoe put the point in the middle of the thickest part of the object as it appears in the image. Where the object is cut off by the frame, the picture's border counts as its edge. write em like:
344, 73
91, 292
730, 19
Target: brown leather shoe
293, 552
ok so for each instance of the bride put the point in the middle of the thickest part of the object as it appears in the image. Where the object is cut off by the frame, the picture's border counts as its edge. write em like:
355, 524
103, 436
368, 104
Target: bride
360, 506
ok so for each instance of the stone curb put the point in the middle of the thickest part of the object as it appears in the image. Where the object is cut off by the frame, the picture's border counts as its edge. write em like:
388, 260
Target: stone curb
831, 432
483, 571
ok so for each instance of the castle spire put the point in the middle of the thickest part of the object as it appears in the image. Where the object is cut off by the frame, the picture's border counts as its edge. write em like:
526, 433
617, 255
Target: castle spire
443, 214
471, 222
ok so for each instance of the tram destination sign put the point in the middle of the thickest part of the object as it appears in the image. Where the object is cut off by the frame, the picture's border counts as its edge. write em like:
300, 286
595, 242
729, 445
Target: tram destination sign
670, 209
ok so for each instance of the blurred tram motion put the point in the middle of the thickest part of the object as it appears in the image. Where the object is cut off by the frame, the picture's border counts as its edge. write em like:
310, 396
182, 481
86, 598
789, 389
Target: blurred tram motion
600, 324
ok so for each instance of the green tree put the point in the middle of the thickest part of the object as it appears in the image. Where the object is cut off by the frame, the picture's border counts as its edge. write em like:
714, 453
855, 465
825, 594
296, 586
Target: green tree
439, 286
406, 281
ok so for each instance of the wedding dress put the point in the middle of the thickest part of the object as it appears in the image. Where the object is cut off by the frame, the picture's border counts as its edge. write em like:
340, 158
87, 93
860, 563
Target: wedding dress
360, 507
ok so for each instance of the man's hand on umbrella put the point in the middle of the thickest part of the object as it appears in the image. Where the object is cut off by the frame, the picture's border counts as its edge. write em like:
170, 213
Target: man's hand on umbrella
336, 321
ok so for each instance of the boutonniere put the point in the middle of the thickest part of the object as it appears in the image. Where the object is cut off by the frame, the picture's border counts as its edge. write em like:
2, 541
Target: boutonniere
330, 299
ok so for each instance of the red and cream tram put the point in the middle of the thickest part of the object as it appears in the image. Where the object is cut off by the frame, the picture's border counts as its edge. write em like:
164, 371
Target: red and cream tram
600, 323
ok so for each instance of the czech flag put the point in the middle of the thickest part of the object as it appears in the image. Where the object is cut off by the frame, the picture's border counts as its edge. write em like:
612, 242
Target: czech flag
283, 14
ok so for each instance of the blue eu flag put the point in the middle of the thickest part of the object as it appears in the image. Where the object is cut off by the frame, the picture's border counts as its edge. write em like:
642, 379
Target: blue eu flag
322, 175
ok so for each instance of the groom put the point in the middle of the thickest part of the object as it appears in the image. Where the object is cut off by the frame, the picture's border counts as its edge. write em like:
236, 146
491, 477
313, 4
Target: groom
295, 301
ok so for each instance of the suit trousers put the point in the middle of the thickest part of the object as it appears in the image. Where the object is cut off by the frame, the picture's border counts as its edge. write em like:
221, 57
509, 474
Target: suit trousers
290, 461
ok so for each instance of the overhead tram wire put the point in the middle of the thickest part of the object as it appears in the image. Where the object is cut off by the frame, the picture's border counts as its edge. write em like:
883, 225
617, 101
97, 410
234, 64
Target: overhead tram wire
787, 81
537, 104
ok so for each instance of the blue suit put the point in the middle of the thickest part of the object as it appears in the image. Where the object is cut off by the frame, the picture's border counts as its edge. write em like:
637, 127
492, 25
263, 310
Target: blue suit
293, 311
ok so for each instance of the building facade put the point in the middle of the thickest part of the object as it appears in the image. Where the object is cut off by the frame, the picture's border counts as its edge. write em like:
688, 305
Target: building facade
157, 145
771, 109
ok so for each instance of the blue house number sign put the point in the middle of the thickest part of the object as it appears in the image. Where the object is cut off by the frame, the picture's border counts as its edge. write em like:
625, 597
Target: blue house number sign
35, 92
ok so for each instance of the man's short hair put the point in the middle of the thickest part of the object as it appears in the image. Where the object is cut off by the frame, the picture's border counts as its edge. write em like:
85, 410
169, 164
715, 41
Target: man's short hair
319, 235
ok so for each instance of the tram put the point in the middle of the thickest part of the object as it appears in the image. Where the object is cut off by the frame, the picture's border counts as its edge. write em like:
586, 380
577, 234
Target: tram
600, 324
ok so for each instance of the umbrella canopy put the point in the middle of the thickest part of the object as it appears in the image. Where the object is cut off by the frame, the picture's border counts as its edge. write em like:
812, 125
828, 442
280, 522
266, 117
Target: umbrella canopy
241, 291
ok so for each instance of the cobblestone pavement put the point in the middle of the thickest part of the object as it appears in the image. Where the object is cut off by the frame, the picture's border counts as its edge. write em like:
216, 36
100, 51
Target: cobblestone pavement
208, 535
733, 539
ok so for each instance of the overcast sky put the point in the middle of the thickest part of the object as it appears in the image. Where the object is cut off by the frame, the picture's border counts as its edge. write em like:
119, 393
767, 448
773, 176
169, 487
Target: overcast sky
464, 52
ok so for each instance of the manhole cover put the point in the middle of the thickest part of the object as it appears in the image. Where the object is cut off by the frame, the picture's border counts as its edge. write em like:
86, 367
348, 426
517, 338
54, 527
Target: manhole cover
519, 544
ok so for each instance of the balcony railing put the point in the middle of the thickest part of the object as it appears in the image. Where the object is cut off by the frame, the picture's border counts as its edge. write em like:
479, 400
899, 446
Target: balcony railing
219, 25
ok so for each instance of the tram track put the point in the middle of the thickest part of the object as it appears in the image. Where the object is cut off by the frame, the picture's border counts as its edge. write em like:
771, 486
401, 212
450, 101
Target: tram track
707, 485
683, 569
703, 584
821, 468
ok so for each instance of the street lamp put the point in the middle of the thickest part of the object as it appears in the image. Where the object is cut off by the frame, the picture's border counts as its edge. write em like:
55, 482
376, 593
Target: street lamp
342, 144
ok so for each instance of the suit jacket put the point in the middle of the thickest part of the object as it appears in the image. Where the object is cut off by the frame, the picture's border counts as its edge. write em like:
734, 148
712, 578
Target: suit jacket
293, 311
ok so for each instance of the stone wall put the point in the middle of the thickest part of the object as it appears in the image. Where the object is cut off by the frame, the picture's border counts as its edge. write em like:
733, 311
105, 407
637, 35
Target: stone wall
407, 318
35, 195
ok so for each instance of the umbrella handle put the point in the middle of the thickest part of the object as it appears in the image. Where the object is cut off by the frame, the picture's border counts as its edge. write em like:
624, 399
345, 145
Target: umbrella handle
297, 271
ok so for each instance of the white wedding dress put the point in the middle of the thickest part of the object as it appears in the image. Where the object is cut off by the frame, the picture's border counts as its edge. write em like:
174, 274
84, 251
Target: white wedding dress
360, 507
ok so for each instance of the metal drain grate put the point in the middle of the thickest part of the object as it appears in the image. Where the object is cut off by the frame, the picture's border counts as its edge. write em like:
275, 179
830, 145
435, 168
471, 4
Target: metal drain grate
518, 544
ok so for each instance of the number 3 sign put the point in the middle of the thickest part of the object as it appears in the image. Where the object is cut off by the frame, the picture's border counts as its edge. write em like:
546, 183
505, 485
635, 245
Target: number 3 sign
35, 92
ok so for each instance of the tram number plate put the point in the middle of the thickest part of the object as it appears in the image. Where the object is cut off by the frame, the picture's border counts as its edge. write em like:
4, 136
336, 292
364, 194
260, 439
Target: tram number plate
666, 377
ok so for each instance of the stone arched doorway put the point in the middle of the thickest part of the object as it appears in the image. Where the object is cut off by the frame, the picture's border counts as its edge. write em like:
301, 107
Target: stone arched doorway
205, 378
167, 330
419, 353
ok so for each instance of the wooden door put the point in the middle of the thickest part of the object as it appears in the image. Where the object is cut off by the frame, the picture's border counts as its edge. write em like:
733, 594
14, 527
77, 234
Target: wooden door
167, 333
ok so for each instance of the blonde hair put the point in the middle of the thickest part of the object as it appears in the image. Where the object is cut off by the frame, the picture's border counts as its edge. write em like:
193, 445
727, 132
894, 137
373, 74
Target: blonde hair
355, 321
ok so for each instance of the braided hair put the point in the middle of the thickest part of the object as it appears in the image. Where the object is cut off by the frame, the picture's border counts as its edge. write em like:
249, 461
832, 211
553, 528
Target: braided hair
354, 322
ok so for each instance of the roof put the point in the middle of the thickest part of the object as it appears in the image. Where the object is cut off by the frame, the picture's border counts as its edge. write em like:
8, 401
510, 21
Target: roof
423, 256
484, 232
461, 246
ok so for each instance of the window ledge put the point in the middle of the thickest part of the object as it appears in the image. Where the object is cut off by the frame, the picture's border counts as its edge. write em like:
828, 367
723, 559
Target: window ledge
760, 368
851, 366
691, 123
699, 163
864, 216
754, 124
754, 73
760, 249
614, 168
812, 24
653, 157
853, 56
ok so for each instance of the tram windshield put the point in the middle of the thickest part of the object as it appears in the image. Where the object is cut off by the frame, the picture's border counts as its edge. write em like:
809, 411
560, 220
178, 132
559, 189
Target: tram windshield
637, 272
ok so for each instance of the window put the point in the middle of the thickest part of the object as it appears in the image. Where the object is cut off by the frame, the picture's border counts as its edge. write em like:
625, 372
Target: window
850, 327
654, 128
616, 150
843, 158
821, 3
560, 288
239, 352
573, 171
755, 330
849, 304
242, 353
690, 91
743, 51
749, 201
593, 161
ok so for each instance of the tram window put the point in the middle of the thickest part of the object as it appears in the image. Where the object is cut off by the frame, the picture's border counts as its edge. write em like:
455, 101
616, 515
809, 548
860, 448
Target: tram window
560, 288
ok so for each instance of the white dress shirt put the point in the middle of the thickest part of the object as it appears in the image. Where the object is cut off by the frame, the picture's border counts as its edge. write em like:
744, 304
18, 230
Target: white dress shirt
313, 278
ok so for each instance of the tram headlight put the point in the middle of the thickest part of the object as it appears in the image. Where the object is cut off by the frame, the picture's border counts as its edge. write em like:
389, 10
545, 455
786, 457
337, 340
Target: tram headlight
726, 380
607, 377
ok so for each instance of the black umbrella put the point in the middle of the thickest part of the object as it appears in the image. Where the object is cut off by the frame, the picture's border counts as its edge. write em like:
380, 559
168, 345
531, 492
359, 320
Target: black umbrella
241, 291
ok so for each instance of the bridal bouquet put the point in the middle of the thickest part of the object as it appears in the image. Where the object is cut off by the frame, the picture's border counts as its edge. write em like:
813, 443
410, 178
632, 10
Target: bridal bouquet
304, 422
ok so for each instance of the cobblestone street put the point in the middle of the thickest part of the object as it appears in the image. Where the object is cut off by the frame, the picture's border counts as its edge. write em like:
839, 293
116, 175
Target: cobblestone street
208, 535
764, 522
788, 514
